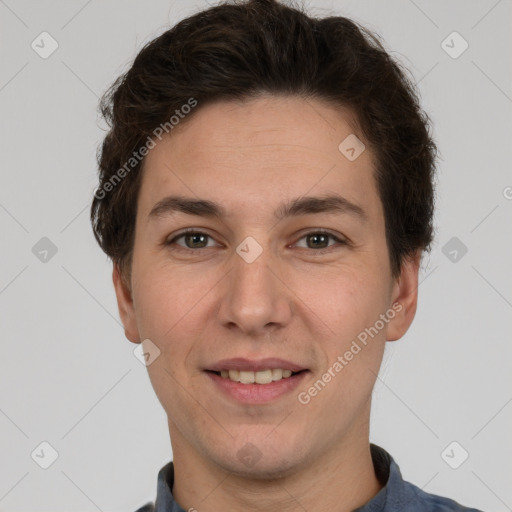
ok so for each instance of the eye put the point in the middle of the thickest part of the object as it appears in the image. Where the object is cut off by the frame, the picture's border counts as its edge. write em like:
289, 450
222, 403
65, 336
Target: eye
197, 240
318, 239
193, 240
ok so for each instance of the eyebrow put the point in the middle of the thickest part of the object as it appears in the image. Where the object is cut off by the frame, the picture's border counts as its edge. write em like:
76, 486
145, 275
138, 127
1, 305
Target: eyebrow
330, 203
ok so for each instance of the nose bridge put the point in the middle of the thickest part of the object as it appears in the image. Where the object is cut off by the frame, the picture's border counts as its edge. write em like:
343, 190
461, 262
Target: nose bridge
255, 298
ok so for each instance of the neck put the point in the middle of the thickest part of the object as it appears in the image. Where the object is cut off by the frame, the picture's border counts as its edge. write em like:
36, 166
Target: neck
341, 479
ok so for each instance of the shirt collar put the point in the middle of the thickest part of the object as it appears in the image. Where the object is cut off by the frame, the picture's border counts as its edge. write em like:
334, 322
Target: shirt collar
394, 494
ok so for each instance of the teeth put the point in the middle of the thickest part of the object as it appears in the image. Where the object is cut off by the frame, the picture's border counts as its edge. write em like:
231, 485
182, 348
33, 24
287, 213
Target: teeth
261, 377
247, 377
264, 377
277, 374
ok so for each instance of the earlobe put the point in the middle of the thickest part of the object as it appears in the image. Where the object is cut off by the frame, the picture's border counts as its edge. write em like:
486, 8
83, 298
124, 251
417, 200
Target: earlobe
125, 306
404, 297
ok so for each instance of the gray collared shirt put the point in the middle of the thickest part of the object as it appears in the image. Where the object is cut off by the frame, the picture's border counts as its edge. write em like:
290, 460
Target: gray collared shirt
395, 496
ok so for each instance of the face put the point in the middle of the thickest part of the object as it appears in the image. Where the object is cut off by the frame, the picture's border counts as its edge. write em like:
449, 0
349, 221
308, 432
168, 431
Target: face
264, 283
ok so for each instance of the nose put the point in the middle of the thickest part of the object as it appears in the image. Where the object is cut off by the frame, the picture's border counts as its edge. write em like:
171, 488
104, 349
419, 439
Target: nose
255, 297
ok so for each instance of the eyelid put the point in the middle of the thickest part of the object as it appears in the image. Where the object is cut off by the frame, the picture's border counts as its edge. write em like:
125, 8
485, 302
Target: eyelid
198, 231
340, 239
340, 242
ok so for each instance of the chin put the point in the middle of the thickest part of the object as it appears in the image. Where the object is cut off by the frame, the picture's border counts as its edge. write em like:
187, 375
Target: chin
260, 461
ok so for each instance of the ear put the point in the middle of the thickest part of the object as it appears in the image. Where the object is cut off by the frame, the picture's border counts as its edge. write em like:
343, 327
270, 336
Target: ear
125, 306
404, 297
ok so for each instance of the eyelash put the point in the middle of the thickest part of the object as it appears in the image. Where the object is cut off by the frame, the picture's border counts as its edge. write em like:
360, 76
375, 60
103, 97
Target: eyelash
196, 232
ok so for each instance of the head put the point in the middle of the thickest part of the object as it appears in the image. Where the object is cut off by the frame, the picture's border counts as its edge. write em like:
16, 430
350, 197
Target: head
240, 113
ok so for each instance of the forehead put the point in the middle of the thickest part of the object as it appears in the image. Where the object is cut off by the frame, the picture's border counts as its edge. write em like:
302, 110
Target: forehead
246, 153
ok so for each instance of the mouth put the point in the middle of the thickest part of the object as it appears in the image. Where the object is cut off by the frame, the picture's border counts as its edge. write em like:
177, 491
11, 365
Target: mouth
256, 377
256, 382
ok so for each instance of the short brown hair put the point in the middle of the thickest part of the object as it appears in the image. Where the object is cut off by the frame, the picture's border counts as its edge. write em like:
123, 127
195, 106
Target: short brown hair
241, 49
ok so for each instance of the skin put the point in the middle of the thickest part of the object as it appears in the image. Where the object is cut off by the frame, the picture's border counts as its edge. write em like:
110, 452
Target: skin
291, 302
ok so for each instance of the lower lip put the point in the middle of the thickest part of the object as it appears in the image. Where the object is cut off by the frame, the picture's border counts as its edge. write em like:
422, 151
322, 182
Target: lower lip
257, 393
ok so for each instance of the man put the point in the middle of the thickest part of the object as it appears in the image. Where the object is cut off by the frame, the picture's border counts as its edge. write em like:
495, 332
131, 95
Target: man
266, 195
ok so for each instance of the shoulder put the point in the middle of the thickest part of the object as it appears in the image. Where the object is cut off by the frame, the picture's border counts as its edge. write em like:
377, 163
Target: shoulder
148, 507
399, 494
422, 501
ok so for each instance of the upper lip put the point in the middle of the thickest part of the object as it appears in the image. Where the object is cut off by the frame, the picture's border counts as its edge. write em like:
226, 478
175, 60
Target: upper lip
243, 364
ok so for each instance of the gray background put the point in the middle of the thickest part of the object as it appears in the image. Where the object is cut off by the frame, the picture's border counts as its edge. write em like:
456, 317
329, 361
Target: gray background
69, 377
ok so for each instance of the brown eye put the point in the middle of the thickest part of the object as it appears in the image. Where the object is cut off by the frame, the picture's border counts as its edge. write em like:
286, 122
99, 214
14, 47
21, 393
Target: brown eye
193, 240
318, 240
196, 240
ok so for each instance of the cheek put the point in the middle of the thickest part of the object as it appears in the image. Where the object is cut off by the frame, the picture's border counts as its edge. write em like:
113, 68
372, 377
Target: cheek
348, 299
164, 294
174, 309
162, 300
168, 308
350, 303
